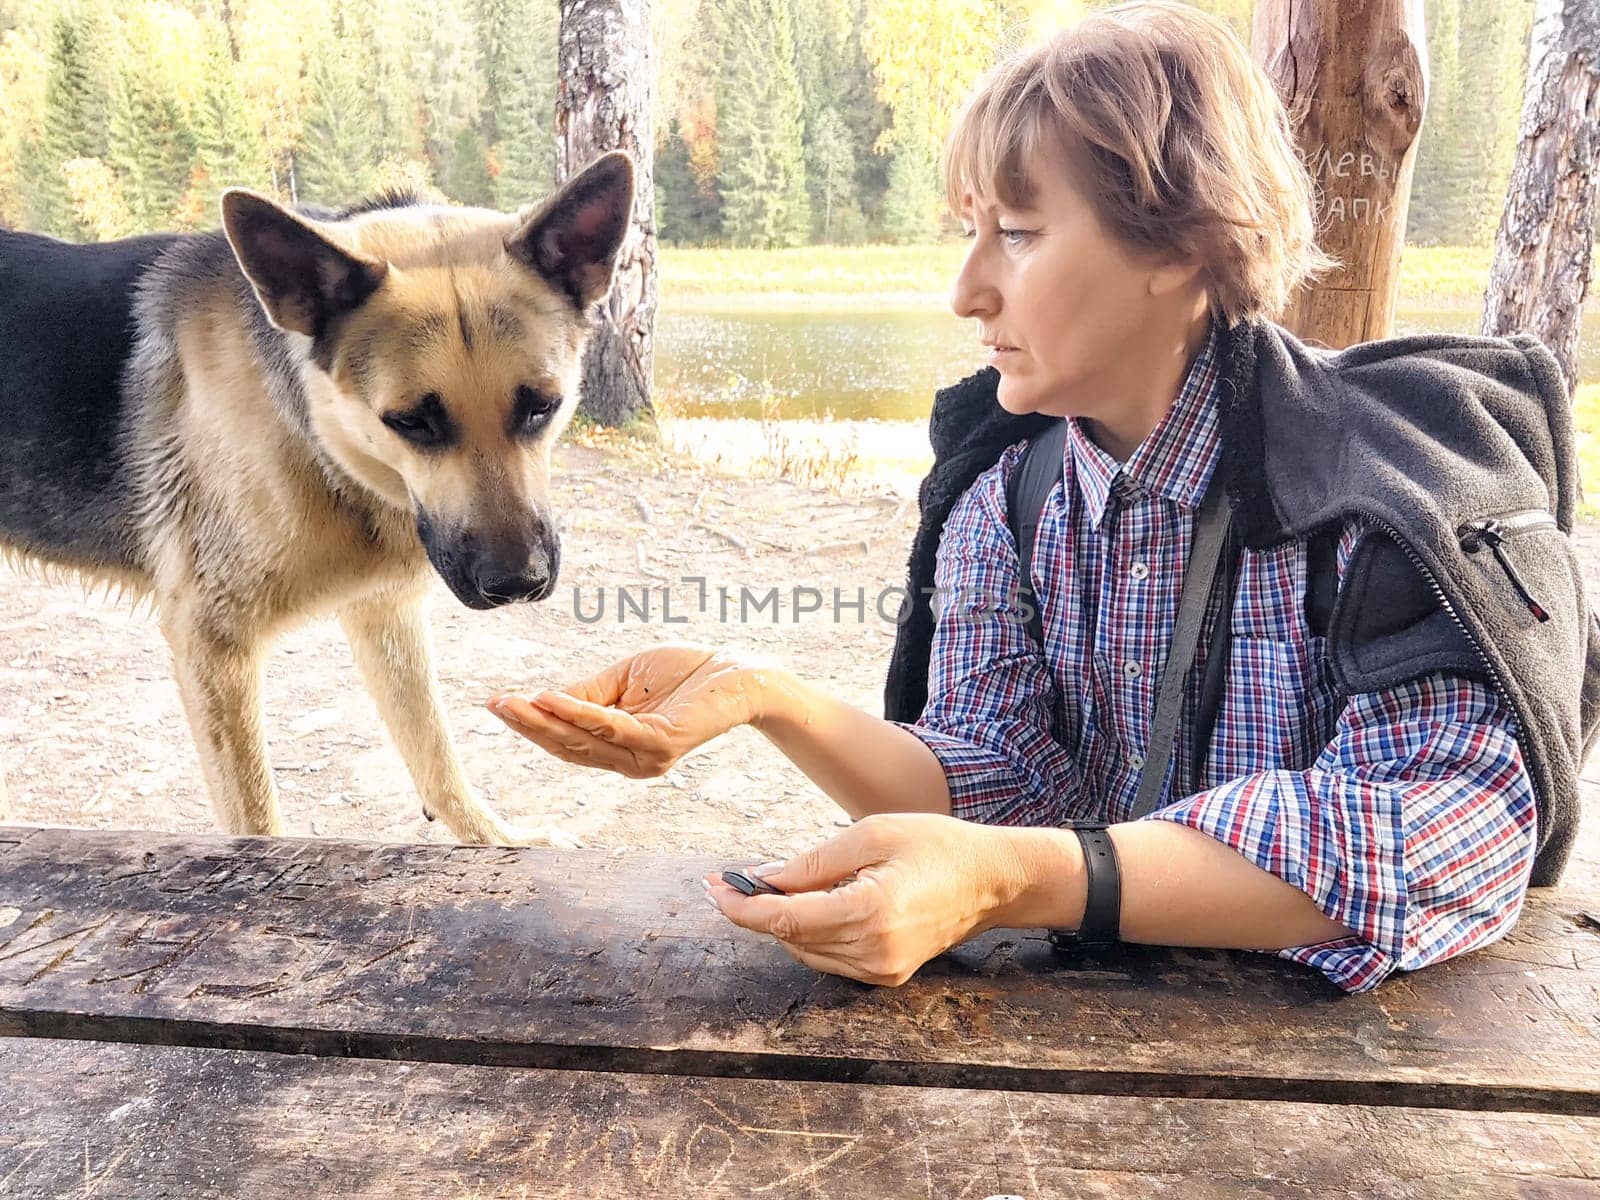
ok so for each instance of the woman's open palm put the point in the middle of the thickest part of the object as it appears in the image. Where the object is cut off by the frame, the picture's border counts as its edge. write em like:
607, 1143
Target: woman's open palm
642, 714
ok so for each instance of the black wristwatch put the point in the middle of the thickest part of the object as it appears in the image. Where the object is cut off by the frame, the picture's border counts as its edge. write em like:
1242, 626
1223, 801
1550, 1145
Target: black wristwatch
1102, 910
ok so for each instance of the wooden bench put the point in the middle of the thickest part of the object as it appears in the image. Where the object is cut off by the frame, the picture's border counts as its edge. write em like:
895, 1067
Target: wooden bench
231, 1017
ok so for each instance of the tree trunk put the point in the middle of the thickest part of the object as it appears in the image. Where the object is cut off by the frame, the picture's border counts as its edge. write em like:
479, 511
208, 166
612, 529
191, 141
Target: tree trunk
604, 104
1354, 76
1541, 254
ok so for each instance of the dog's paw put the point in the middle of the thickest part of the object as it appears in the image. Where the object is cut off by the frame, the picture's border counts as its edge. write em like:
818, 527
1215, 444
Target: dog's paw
535, 835
550, 835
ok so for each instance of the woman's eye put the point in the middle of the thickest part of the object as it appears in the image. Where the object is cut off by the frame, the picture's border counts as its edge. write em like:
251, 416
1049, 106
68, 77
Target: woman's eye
1015, 237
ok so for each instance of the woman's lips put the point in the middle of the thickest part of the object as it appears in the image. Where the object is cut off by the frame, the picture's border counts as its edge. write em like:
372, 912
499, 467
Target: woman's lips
998, 354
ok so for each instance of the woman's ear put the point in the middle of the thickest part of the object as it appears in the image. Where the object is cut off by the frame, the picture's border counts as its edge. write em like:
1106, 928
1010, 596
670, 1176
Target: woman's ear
1168, 277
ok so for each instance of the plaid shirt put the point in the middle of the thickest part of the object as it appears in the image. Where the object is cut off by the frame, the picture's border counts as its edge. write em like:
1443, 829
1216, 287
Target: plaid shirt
1406, 814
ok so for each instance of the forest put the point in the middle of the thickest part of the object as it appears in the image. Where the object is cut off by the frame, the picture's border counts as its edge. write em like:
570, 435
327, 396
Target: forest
778, 123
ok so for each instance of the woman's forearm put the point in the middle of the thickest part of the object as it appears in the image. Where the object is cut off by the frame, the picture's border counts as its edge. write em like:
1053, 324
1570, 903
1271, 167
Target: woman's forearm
867, 764
1180, 887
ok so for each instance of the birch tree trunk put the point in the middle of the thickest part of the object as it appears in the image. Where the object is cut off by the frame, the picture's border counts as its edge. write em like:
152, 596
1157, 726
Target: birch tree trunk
1354, 76
603, 103
1542, 252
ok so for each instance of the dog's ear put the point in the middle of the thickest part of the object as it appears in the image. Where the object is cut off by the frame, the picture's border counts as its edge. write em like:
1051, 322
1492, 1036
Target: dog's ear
573, 238
303, 280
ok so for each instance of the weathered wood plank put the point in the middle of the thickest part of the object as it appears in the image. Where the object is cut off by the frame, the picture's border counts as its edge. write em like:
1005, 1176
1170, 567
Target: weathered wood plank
94, 1119
541, 958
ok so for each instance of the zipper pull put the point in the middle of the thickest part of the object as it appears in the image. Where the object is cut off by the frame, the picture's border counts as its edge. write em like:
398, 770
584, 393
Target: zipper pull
1476, 535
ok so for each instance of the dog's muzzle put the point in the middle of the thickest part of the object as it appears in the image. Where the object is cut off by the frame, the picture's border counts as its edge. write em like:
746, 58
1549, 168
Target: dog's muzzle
488, 572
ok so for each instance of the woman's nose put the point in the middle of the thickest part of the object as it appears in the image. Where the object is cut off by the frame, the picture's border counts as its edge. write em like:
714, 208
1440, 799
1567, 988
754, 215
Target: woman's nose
972, 295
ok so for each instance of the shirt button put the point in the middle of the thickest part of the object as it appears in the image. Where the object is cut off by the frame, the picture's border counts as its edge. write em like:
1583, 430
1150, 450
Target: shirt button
1132, 669
1139, 570
1136, 761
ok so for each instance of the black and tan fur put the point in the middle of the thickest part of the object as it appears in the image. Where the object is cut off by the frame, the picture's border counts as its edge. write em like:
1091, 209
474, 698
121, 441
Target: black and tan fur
296, 415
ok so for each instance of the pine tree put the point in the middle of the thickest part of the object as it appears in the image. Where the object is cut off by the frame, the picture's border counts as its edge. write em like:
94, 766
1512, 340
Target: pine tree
381, 37
911, 206
688, 209
762, 176
335, 161
822, 36
228, 149
468, 181
77, 107
1476, 50
864, 114
152, 144
451, 79
525, 152
675, 217
383, 45
1494, 40
518, 38
502, 32
831, 168
691, 60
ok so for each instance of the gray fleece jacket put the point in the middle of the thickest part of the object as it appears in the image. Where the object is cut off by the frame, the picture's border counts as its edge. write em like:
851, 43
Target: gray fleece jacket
1461, 448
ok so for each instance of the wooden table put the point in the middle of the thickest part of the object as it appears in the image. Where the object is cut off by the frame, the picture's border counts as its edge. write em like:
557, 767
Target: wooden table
240, 1017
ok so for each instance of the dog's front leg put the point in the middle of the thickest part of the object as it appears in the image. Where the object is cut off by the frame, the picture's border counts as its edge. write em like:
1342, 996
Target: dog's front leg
219, 678
389, 637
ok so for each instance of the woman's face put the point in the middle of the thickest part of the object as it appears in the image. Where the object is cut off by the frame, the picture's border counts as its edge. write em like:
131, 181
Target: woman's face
1067, 309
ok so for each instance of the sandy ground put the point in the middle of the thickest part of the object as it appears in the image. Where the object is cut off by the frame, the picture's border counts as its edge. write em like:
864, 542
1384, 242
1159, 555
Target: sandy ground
92, 734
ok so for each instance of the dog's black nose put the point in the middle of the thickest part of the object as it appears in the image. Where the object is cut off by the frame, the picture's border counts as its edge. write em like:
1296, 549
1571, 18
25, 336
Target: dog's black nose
533, 577
511, 589
487, 571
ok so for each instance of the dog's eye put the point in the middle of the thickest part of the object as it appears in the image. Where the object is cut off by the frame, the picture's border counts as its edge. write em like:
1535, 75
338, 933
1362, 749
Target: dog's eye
532, 409
427, 424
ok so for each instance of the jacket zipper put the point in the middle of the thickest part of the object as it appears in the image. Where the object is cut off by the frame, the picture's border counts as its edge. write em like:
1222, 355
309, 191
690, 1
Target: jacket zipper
1493, 531
1524, 521
1450, 609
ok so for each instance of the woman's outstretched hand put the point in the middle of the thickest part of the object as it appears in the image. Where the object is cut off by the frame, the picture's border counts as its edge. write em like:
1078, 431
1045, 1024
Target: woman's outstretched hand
641, 715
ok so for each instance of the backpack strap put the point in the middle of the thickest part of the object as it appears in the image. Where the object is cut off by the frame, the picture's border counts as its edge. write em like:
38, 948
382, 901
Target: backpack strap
1219, 649
1029, 486
1211, 528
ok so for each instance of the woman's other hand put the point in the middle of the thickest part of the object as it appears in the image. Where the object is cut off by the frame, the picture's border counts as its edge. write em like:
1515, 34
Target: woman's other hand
884, 896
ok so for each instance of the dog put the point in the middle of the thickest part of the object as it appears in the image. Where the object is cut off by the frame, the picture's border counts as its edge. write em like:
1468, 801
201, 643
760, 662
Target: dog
298, 414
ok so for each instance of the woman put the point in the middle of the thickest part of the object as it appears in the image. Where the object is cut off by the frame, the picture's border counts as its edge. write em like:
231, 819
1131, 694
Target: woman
1361, 802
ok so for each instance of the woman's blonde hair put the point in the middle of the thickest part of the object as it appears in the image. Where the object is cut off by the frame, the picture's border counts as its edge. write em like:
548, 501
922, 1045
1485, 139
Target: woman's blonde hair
1176, 137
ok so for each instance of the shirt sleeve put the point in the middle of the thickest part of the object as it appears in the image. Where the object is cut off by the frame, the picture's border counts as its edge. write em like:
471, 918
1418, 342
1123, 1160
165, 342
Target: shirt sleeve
1415, 827
991, 698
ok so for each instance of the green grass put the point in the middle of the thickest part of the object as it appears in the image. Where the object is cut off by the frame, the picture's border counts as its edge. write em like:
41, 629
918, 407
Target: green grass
1586, 417
1431, 277
843, 274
